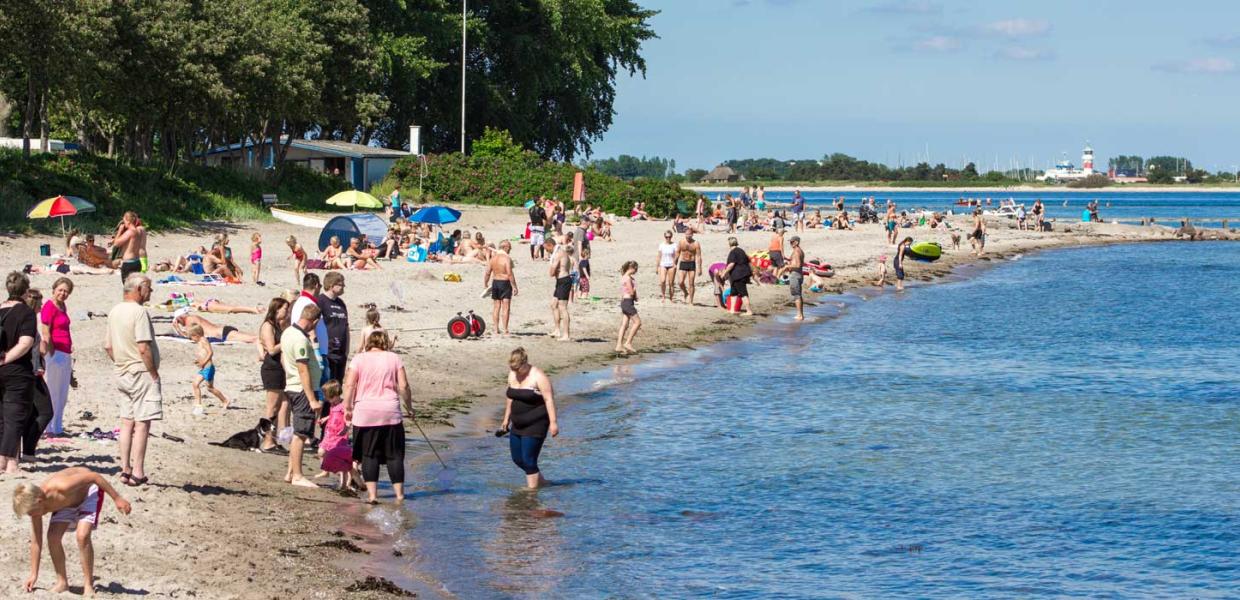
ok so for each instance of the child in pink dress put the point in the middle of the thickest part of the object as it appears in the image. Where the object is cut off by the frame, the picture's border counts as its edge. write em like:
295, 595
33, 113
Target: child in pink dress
335, 450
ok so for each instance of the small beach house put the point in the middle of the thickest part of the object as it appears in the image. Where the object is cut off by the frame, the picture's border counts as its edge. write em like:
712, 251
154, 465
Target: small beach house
721, 174
362, 166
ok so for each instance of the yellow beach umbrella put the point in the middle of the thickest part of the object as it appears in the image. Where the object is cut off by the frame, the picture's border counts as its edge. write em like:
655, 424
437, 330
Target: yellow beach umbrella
356, 199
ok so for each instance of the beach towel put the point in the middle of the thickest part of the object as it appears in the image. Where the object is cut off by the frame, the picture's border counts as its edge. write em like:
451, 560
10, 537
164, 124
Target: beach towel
206, 280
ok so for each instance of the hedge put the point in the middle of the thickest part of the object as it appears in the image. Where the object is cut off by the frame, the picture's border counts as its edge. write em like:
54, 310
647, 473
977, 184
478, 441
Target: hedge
514, 179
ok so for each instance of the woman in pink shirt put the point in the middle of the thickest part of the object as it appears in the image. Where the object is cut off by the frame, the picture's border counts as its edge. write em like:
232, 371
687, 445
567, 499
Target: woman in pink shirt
375, 385
56, 346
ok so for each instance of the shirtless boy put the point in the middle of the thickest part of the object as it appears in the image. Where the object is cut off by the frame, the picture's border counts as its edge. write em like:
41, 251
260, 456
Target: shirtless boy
73, 496
131, 239
562, 271
796, 277
503, 285
689, 265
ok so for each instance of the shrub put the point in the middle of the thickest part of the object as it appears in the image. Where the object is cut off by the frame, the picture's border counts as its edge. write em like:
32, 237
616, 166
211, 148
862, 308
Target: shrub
186, 196
502, 176
1097, 180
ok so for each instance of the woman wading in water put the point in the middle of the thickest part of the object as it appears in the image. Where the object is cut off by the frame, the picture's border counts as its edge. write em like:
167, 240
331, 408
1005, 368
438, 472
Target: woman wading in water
529, 415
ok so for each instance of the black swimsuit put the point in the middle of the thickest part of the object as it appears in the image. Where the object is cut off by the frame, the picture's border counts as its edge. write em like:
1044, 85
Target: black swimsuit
529, 413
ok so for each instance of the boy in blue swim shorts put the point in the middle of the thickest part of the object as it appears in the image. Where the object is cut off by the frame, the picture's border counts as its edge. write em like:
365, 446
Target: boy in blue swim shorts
206, 369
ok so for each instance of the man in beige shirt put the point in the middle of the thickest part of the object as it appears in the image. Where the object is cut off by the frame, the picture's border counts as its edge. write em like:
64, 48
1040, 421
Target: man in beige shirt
130, 343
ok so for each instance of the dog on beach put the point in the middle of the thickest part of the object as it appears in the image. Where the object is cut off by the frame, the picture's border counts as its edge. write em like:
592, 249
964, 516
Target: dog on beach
955, 241
250, 439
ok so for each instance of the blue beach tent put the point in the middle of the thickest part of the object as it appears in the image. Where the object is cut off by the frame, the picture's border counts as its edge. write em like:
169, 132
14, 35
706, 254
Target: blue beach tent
347, 227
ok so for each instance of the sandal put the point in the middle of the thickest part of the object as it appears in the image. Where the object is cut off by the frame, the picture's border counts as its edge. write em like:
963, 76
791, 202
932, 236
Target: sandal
125, 477
136, 481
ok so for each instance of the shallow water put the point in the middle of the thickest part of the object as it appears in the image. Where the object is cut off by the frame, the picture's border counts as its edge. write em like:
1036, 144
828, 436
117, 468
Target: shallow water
1206, 209
1065, 424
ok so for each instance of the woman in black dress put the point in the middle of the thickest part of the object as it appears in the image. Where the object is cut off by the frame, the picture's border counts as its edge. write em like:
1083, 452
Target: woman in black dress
272, 372
529, 415
18, 328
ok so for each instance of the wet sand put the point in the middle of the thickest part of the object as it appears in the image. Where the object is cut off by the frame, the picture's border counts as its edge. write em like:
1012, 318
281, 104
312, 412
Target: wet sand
221, 523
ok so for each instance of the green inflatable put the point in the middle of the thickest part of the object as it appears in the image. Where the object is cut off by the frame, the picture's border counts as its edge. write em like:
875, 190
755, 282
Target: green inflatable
925, 251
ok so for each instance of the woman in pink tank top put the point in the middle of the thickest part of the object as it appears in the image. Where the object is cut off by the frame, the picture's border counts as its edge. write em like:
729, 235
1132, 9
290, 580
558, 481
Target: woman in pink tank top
375, 387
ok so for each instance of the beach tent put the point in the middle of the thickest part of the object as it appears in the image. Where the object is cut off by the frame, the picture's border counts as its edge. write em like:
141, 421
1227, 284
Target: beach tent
347, 227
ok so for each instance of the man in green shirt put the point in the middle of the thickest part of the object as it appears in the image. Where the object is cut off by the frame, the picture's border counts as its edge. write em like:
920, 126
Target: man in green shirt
301, 375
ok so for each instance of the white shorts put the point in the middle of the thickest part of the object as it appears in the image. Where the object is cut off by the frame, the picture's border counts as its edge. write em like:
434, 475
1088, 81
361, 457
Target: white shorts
536, 236
86, 512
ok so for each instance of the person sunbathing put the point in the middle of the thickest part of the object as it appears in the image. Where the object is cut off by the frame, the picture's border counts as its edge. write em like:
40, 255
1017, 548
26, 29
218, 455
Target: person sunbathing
390, 247
216, 262
602, 227
475, 250
332, 255
182, 320
359, 258
211, 305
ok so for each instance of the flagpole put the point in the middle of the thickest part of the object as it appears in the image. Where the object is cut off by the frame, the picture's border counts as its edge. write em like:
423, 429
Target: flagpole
463, 16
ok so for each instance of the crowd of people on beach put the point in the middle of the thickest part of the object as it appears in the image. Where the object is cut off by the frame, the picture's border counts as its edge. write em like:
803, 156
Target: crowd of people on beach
346, 399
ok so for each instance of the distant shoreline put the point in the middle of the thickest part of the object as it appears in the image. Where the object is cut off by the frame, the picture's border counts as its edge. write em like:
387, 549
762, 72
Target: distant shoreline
857, 187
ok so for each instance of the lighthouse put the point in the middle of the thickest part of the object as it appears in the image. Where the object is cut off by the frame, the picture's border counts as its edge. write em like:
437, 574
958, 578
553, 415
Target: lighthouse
1087, 160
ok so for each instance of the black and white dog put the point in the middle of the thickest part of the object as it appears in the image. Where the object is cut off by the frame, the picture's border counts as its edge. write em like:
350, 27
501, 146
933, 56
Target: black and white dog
250, 439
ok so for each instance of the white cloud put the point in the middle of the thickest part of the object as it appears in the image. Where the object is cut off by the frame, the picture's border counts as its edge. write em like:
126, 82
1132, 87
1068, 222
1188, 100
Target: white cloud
938, 43
1014, 28
1025, 54
906, 7
1224, 41
1209, 65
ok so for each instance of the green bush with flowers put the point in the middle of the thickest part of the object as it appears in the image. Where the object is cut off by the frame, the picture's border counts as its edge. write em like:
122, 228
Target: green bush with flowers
500, 173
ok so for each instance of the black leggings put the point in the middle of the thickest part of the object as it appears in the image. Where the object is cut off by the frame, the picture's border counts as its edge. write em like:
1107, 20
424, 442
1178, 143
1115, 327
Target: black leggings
16, 407
383, 444
395, 469
37, 422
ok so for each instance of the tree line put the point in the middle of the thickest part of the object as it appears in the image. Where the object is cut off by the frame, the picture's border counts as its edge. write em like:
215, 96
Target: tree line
631, 167
165, 80
842, 167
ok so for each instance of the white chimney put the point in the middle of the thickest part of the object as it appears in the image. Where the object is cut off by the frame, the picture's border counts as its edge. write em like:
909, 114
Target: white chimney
415, 140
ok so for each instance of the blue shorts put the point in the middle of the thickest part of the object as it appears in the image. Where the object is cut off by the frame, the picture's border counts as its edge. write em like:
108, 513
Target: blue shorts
208, 373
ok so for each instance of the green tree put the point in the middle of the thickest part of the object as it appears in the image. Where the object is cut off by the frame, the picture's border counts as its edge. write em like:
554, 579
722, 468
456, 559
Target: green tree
1175, 165
545, 71
1160, 176
1131, 166
632, 167
497, 143
695, 175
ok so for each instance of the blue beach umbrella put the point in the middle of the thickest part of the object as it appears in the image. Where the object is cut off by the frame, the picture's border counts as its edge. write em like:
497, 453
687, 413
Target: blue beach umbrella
435, 215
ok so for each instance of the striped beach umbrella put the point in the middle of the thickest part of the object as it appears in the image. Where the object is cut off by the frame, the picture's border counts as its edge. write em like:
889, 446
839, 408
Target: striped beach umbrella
60, 206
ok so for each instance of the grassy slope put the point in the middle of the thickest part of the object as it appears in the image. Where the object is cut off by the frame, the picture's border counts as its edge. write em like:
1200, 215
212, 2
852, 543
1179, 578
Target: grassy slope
188, 195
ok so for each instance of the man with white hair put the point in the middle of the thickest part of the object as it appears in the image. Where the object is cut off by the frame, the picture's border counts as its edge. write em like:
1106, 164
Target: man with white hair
130, 343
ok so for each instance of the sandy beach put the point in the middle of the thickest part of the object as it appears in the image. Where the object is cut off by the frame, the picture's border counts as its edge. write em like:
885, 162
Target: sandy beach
221, 523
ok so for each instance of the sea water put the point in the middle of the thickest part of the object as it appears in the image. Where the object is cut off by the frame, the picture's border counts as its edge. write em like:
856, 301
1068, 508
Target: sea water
1203, 209
1063, 425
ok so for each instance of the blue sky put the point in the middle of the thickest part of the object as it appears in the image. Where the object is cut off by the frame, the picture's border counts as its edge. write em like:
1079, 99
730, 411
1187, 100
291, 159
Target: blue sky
884, 79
